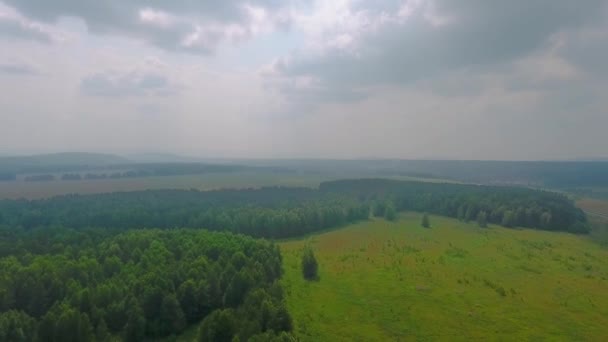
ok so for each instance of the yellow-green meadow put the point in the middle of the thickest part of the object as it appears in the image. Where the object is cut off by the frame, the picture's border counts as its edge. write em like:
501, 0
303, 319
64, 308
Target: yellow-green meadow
383, 281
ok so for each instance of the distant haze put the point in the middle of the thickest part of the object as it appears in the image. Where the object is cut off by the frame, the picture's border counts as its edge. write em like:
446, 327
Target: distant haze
432, 79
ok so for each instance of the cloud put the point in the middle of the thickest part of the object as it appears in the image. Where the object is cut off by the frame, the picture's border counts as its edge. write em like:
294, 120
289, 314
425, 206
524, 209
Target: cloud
312, 78
185, 25
18, 69
113, 84
14, 25
353, 45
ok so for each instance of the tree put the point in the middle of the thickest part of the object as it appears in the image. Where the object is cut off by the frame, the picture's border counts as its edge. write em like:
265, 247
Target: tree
389, 212
281, 321
468, 216
545, 220
171, 316
17, 326
425, 221
378, 209
73, 326
188, 301
482, 219
136, 324
461, 212
219, 326
508, 219
309, 264
101, 332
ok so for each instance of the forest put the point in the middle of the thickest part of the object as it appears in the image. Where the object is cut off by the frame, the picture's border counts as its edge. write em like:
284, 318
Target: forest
148, 264
506, 206
278, 212
142, 284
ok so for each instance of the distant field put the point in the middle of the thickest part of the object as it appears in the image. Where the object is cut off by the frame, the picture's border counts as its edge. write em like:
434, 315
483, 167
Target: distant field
382, 281
208, 181
594, 207
20, 189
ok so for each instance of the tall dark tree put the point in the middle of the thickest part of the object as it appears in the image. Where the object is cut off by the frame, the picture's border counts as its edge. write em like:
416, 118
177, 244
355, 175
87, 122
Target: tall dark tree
425, 221
309, 264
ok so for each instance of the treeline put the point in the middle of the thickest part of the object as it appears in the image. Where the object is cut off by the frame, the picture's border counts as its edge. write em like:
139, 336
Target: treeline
266, 212
119, 171
142, 285
506, 206
8, 176
277, 212
39, 178
131, 170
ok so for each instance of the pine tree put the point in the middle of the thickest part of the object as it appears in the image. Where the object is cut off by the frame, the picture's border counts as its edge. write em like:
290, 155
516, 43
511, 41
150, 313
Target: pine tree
309, 264
425, 221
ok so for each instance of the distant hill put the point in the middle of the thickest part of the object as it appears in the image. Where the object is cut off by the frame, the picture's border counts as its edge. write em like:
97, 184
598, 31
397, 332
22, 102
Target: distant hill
161, 158
58, 162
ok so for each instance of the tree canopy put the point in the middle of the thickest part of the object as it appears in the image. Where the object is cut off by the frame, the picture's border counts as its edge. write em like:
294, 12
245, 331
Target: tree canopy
142, 284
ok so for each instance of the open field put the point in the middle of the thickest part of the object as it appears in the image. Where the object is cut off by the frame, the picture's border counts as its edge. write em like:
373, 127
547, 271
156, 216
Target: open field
31, 190
382, 281
594, 207
208, 181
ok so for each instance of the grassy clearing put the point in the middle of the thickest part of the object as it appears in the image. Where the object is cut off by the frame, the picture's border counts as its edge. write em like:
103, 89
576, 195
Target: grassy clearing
396, 281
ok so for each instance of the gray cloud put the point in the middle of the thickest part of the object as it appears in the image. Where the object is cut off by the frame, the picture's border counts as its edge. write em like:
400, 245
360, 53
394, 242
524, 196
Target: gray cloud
105, 12
193, 26
127, 85
18, 69
440, 78
441, 36
15, 27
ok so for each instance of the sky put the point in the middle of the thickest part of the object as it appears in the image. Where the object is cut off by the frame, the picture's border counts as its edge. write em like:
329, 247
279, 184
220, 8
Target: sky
430, 79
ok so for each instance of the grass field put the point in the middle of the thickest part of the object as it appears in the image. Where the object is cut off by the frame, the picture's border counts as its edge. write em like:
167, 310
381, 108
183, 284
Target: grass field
209, 181
594, 207
383, 281
32, 190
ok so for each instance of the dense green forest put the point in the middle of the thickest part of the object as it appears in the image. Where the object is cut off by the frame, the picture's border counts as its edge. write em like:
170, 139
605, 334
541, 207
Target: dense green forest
506, 206
266, 212
277, 212
142, 284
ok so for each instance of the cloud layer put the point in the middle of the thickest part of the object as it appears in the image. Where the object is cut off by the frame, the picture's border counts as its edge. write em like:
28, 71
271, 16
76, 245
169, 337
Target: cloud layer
193, 26
469, 79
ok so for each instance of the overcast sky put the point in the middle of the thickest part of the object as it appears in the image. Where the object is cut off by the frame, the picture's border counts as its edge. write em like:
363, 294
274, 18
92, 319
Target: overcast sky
470, 79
